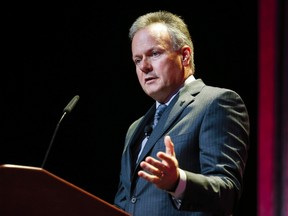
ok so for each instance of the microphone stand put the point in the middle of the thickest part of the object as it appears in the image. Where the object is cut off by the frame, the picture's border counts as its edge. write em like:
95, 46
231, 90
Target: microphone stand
52, 140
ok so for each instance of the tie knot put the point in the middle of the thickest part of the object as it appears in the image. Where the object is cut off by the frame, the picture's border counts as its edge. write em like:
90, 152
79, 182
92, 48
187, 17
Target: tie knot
160, 109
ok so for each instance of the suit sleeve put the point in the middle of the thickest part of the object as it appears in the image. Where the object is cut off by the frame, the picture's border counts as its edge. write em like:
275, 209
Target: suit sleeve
223, 149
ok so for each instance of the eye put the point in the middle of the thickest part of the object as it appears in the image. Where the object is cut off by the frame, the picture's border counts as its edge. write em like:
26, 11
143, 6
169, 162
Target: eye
137, 61
155, 53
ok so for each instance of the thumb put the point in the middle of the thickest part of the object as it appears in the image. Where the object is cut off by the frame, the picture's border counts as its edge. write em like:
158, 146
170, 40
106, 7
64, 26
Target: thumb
169, 146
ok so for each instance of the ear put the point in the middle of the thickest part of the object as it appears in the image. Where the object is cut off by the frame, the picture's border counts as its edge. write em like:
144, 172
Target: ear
186, 54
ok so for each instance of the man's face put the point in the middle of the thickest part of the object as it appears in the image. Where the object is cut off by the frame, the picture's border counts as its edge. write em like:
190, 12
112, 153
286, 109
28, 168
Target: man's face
159, 68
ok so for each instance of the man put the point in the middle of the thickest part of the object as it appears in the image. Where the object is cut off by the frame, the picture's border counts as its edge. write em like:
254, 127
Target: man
192, 161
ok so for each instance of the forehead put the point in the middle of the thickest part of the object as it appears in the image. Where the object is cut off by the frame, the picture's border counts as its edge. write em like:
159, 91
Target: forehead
153, 34
156, 30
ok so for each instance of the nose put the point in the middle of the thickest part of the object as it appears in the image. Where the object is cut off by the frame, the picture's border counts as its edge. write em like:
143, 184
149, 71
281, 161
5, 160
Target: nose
145, 65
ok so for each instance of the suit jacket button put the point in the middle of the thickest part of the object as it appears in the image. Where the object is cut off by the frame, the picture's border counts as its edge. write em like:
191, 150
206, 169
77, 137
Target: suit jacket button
133, 200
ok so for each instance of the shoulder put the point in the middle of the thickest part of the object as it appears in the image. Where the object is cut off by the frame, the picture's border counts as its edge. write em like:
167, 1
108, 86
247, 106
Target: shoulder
199, 86
216, 96
134, 124
218, 92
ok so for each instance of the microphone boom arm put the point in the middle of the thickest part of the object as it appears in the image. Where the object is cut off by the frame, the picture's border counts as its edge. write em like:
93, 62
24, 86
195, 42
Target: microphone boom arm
52, 140
66, 110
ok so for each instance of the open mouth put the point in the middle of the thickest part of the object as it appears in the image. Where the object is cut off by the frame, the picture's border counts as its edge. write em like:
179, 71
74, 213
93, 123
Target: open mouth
148, 79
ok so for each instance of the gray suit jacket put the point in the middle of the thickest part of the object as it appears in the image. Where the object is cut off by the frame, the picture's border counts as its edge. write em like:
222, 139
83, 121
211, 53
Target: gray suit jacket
209, 127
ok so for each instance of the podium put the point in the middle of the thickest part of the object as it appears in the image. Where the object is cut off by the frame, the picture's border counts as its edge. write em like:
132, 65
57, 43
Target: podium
26, 190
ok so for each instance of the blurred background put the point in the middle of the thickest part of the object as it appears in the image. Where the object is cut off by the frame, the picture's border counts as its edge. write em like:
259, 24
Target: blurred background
53, 52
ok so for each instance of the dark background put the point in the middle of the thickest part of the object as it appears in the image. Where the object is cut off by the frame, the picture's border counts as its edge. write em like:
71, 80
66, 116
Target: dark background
53, 52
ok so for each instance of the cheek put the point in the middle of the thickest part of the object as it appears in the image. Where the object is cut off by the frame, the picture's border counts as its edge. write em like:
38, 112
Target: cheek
139, 75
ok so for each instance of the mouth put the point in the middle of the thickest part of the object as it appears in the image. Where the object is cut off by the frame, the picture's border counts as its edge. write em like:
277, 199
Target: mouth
149, 79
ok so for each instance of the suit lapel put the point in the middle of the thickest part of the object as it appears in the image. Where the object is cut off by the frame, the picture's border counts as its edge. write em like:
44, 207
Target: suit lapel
137, 134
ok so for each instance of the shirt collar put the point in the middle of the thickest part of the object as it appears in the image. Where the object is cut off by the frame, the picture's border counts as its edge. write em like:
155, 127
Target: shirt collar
189, 79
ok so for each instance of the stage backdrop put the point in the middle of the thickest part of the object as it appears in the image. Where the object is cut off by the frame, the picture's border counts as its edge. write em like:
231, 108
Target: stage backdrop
54, 51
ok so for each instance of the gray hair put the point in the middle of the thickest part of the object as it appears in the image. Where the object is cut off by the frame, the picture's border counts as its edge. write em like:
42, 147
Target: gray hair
176, 27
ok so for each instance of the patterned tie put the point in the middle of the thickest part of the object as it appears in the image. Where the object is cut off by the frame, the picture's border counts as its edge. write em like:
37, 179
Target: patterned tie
160, 109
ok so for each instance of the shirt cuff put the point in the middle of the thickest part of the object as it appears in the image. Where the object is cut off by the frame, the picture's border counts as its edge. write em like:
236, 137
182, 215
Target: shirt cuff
178, 193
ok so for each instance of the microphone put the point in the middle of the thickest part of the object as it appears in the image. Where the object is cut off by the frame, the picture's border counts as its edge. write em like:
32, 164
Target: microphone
148, 130
66, 110
71, 104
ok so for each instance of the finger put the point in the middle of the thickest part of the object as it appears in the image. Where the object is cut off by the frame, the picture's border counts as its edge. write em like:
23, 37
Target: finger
148, 167
169, 146
149, 172
156, 166
153, 167
150, 178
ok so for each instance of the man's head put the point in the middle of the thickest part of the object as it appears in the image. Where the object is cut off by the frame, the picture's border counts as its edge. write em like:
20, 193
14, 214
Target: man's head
162, 51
